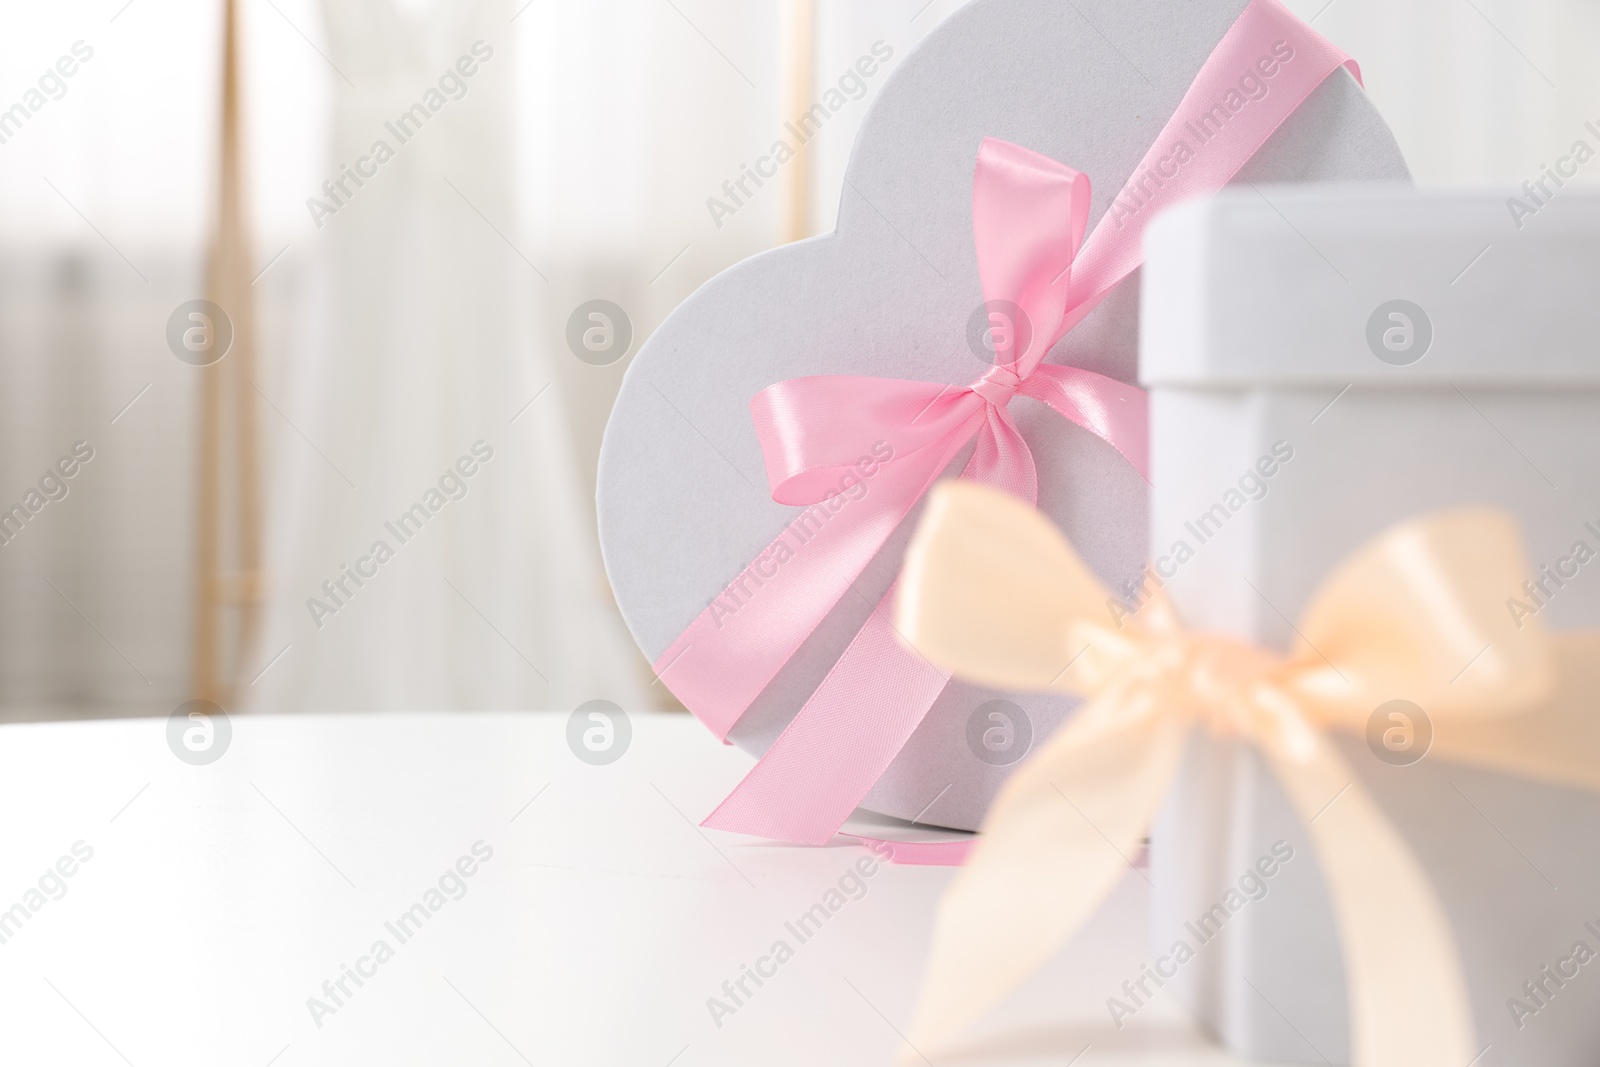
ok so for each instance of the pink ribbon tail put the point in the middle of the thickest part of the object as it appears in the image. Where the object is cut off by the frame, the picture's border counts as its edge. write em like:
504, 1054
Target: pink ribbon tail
951, 853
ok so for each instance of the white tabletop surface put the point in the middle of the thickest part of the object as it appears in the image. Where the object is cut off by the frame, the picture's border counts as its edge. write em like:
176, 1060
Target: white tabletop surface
219, 898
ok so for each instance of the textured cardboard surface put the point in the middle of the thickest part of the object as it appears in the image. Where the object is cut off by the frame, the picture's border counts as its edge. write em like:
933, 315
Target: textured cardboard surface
683, 503
1239, 280
1482, 418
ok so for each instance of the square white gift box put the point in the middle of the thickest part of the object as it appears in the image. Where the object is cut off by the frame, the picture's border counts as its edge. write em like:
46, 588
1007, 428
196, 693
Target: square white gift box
1324, 361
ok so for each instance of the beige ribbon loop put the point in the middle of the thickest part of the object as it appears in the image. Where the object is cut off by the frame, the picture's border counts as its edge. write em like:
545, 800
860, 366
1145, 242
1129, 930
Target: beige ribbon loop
1057, 841
1408, 997
994, 594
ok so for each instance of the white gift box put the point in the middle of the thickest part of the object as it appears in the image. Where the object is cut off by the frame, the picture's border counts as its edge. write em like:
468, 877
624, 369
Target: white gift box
1324, 362
683, 505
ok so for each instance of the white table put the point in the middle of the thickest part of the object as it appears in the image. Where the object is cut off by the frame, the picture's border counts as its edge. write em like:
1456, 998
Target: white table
219, 898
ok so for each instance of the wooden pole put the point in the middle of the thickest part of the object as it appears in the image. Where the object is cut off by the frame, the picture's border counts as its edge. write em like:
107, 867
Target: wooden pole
228, 513
801, 39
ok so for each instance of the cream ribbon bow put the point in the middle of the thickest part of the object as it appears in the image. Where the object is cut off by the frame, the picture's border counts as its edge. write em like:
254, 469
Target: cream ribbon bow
993, 593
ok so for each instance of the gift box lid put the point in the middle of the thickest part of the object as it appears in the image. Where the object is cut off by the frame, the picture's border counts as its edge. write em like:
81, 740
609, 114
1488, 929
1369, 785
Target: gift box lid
1374, 284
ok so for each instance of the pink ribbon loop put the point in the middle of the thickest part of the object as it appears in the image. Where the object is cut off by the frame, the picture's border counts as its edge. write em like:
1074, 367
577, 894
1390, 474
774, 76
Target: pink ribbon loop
1029, 214
856, 453
815, 432
1104, 406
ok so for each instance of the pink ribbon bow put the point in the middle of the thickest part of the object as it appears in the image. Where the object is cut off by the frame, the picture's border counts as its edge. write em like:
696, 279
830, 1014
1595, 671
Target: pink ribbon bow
824, 438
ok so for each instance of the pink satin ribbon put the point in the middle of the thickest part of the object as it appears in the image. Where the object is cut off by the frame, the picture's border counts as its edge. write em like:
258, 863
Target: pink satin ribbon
824, 438
920, 853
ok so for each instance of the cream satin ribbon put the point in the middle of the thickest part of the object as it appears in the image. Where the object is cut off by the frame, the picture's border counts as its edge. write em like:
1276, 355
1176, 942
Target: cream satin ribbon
992, 592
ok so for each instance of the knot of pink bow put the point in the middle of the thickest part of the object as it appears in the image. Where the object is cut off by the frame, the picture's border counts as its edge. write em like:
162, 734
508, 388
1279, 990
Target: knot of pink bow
998, 385
879, 444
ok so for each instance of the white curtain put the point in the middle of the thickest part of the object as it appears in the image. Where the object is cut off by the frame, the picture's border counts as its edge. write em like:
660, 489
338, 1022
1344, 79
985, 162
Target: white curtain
406, 328
1477, 91
418, 420
94, 587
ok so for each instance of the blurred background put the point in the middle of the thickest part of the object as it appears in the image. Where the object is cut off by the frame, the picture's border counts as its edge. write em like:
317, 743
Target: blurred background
399, 316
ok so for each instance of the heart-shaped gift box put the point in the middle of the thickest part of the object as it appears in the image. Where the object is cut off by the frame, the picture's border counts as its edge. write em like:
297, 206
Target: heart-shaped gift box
893, 292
